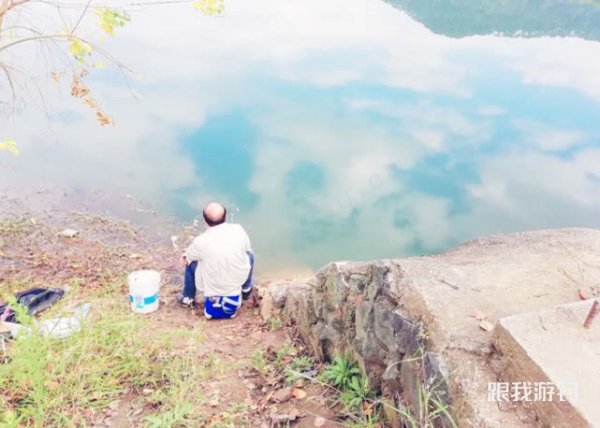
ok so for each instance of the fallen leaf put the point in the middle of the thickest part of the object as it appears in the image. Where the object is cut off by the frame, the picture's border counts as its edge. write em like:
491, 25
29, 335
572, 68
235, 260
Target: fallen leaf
299, 393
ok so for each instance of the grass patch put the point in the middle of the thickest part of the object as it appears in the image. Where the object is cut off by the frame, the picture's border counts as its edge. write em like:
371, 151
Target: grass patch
12, 228
430, 411
363, 407
9, 288
358, 402
285, 354
274, 323
47, 382
258, 361
297, 368
70, 382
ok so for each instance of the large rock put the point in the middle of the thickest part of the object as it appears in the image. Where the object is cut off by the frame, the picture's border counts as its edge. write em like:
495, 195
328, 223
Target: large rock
413, 323
552, 364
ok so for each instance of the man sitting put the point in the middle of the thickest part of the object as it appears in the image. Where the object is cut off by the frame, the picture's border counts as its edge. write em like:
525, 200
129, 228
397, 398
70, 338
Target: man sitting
218, 263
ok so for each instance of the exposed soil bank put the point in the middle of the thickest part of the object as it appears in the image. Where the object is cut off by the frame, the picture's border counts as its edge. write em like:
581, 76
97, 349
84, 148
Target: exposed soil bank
186, 371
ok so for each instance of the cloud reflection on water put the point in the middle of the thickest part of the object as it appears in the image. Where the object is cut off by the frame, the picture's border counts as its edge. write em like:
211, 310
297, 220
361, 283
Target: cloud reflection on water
339, 129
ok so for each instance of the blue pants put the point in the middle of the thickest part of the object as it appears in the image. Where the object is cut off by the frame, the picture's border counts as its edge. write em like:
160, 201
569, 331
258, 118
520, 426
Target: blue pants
189, 290
222, 307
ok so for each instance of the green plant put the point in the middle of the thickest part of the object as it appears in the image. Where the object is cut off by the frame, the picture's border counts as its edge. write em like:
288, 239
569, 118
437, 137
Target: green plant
274, 323
258, 361
366, 421
21, 312
430, 409
356, 394
173, 418
49, 382
353, 393
297, 367
13, 228
287, 350
340, 373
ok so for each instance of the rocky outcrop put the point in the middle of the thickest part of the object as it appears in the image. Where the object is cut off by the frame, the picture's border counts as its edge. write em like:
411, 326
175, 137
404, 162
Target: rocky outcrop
423, 323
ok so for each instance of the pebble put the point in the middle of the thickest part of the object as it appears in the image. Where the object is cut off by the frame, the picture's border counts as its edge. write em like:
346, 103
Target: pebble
283, 394
319, 421
68, 233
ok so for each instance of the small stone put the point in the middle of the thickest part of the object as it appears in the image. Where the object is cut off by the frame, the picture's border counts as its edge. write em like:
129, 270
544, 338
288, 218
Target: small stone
299, 393
214, 400
283, 419
137, 411
486, 325
147, 391
266, 306
250, 385
283, 394
68, 233
319, 421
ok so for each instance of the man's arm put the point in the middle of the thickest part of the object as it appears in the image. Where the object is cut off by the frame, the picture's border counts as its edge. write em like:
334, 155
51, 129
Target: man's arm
194, 251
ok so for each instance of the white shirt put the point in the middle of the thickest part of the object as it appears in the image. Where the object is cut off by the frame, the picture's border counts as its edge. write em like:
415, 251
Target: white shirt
223, 262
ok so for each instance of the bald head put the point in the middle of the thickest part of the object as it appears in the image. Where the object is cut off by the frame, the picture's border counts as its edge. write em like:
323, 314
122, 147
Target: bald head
214, 214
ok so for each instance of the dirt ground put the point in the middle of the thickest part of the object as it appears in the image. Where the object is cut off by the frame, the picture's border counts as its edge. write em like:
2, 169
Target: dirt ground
250, 389
237, 340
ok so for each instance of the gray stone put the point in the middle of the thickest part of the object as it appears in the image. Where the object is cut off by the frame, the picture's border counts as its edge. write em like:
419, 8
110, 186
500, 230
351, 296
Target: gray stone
409, 329
552, 347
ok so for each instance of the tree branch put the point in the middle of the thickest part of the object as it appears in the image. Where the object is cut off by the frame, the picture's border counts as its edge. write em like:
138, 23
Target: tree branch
4, 68
34, 38
6, 6
21, 27
87, 6
3, 10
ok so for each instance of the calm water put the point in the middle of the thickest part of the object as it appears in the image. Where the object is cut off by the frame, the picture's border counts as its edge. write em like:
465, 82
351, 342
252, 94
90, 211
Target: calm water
340, 129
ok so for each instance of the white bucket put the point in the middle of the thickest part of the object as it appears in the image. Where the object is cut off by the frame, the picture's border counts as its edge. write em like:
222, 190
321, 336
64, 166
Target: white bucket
143, 290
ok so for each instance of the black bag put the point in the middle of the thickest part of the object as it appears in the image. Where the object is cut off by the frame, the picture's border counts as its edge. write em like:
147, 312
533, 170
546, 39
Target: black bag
35, 300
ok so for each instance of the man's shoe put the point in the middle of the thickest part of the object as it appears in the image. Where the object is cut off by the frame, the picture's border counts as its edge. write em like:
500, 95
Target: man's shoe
186, 302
